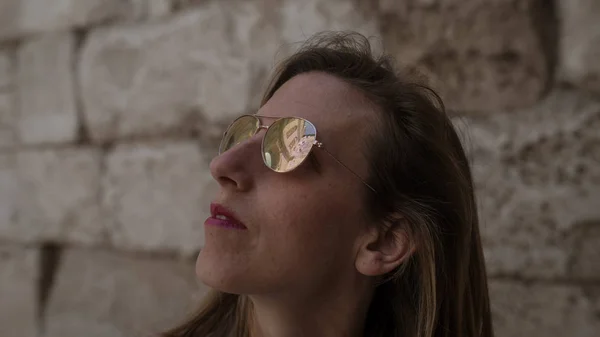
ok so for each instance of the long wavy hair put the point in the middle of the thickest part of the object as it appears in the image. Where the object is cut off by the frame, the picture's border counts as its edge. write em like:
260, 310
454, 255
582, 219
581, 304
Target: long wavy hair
419, 168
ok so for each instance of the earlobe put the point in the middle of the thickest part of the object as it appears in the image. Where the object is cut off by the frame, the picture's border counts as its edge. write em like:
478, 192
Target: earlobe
382, 251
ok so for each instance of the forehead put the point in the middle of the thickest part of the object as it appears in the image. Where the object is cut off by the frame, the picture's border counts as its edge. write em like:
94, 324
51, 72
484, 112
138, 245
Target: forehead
334, 106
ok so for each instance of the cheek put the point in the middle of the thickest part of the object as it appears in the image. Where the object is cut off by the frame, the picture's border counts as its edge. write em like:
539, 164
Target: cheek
312, 232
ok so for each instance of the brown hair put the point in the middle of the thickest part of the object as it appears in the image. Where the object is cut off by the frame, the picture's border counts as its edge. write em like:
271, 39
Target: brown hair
420, 170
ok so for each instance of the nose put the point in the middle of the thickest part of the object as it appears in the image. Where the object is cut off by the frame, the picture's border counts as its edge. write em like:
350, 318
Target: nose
234, 168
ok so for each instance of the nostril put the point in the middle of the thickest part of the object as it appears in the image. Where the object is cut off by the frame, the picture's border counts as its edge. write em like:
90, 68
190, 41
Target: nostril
224, 181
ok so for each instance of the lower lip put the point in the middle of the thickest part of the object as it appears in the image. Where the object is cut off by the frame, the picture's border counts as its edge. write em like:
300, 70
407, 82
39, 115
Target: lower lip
223, 223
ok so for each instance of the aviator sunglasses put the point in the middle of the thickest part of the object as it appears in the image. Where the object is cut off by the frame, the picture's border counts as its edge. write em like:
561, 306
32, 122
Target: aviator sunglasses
286, 143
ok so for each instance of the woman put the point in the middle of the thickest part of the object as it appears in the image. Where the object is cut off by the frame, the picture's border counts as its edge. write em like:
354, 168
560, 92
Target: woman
346, 208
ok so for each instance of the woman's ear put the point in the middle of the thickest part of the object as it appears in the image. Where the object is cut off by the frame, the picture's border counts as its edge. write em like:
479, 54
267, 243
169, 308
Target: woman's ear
381, 250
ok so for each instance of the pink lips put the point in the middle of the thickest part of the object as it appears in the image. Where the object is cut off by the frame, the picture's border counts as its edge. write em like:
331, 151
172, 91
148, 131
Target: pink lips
222, 217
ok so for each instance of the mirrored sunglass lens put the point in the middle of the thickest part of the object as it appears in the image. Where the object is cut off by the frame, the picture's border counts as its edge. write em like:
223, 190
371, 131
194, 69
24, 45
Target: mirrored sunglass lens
287, 143
240, 130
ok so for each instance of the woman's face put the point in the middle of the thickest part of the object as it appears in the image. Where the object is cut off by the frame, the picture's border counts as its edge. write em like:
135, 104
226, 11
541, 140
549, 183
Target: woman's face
302, 226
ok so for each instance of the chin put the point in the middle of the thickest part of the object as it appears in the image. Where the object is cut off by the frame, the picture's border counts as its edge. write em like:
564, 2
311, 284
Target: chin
221, 275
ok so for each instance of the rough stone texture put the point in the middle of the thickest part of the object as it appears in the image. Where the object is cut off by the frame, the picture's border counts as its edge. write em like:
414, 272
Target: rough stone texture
580, 42
8, 190
544, 310
301, 19
146, 75
6, 69
480, 55
7, 120
151, 9
19, 18
7, 113
537, 174
134, 83
159, 196
103, 294
46, 95
585, 257
157, 8
57, 197
18, 291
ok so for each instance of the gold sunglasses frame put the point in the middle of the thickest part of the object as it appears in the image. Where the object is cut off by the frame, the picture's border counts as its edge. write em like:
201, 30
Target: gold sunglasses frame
316, 143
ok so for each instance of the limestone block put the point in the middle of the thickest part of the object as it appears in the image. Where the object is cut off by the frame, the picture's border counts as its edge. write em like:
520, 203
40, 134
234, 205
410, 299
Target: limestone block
6, 69
8, 192
537, 176
174, 75
544, 310
18, 291
301, 19
585, 258
580, 43
57, 197
7, 106
46, 95
104, 294
158, 8
7, 120
480, 56
159, 196
19, 18
151, 9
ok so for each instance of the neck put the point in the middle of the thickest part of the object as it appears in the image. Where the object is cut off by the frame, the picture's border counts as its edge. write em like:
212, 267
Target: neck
337, 312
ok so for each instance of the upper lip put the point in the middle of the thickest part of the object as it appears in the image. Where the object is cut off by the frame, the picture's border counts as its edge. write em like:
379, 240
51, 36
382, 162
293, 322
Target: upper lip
218, 209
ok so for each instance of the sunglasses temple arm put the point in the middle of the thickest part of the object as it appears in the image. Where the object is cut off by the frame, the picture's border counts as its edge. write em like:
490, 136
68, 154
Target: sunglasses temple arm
320, 145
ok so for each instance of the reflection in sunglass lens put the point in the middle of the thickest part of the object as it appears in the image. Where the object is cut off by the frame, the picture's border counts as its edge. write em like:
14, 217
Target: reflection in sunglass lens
240, 130
287, 143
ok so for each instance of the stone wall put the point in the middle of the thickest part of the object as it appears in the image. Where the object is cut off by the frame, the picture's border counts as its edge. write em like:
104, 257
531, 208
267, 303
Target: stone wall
102, 103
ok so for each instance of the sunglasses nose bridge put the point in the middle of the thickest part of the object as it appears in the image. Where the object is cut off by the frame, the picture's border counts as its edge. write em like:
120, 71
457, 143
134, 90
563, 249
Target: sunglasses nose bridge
261, 127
